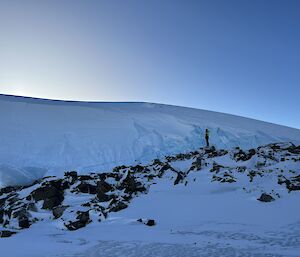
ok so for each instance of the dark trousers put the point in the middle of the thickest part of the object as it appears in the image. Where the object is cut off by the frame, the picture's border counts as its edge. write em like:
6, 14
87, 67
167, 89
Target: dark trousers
207, 142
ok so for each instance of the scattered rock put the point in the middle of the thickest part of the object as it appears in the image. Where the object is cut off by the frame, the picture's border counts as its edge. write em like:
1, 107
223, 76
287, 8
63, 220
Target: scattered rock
150, 223
6, 233
179, 178
117, 206
266, 198
83, 218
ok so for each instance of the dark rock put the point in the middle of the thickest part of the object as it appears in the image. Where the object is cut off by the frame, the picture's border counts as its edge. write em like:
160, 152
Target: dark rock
150, 222
117, 206
265, 198
20, 212
1, 216
71, 174
164, 168
87, 188
294, 149
131, 185
51, 193
6, 233
84, 177
53, 202
83, 218
197, 164
31, 207
103, 187
179, 178
216, 167
102, 197
138, 168
24, 222
244, 156
58, 211
118, 168
8, 189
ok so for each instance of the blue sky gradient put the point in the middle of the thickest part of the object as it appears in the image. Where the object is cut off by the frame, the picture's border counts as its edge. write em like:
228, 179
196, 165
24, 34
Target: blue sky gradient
240, 57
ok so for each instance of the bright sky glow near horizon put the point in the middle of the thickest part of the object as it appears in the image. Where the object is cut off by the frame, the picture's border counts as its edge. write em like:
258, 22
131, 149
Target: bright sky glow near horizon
240, 57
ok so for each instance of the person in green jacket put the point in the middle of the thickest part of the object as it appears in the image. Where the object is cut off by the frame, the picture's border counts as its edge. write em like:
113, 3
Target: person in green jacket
207, 137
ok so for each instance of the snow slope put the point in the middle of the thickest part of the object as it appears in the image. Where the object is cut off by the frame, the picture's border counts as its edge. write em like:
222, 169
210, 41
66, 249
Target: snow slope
39, 137
200, 216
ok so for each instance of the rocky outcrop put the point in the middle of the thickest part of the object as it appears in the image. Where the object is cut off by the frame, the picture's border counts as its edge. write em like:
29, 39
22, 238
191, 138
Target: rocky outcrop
51, 192
100, 194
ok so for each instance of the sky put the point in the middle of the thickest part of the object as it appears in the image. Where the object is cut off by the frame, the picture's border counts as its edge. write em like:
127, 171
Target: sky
240, 57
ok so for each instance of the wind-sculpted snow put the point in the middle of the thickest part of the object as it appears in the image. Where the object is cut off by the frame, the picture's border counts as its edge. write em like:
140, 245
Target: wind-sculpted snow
54, 136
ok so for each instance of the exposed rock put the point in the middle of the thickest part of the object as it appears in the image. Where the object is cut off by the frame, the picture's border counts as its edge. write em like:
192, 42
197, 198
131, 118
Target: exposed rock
84, 177
102, 197
83, 218
179, 178
1, 216
197, 164
265, 198
138, 168
150, 222
6, 233
24, 222
86, 188
244, 156
58, 211
131, 185
216, 167
117, 206
103, 187
52, 193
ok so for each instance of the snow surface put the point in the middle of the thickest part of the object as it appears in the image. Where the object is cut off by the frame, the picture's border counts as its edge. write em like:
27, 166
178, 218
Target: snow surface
198, 219
39, 137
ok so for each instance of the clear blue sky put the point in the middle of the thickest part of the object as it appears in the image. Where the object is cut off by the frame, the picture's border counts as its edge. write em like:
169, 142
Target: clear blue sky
240, 57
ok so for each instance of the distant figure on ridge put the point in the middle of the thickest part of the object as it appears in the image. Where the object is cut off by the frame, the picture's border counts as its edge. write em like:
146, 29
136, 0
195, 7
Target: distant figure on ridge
207, 137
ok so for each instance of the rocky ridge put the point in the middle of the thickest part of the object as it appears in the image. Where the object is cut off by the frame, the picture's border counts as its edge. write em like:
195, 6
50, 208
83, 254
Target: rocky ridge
77, 200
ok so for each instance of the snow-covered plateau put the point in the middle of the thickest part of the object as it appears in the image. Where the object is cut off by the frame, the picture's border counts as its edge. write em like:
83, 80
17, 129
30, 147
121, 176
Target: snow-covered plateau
90, 179
41, 137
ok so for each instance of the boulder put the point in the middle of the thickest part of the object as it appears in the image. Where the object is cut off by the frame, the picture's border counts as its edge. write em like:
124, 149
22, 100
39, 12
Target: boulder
86, 188
150, 222
83, 218
58, 211
265, 198
103, 187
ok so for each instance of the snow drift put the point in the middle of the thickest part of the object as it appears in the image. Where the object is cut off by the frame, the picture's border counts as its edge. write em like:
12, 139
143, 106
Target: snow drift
39, 136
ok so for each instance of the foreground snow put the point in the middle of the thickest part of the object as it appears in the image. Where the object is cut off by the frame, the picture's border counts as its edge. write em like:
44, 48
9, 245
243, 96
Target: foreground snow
199, 216
39, 137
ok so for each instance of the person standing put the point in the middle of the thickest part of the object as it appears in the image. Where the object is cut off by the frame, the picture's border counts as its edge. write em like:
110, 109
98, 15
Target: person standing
207, 137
